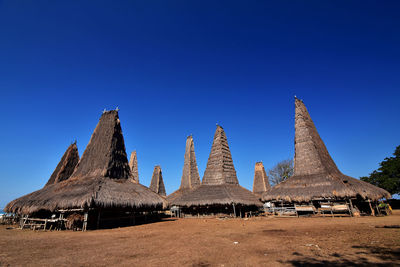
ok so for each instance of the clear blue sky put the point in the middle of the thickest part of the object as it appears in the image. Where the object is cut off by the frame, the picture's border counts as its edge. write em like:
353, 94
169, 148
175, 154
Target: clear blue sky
176, 68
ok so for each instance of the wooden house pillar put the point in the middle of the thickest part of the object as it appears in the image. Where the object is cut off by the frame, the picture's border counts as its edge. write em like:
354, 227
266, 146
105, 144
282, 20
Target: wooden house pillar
85, 220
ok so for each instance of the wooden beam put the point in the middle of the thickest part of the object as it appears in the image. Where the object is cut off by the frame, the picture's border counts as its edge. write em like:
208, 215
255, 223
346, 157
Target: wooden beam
370, 206
351, 208
85, 220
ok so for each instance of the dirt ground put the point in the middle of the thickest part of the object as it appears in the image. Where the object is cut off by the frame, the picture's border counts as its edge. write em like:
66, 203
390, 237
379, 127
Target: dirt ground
258, 241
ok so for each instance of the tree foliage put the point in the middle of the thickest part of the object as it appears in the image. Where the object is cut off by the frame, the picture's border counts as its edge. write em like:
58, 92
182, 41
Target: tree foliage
281, 171
388, 174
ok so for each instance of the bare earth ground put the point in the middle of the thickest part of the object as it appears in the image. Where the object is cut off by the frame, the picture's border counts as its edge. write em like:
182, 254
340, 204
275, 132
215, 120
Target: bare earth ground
210, 242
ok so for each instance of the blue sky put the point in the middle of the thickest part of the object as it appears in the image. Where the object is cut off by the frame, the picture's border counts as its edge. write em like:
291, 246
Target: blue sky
176, 68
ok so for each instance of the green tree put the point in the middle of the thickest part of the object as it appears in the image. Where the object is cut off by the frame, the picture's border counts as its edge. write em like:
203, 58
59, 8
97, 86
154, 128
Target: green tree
388, 174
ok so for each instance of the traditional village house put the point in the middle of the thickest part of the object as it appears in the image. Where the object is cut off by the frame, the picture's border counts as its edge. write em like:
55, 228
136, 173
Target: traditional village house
101, 188
317, 182
220, 191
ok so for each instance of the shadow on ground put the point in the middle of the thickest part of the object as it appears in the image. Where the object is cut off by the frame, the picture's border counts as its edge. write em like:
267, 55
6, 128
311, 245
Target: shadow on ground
384, 256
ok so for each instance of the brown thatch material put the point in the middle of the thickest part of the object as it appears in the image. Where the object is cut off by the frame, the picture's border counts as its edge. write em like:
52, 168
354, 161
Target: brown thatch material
220, 169
157, 183
66, 165
224, 194
220, 185
133, 165
190, 175
261, 183
102, 178
316, 175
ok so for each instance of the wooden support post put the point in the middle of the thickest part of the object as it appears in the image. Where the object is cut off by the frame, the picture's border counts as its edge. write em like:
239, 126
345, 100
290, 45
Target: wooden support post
234, 210
351, 208
45, 224
85, 220
24, 221
372, 210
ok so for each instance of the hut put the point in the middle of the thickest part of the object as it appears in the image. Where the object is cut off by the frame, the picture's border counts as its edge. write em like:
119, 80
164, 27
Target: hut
190, 174
220, 192
133, 165
101, 188
316, 180
157, 182
261, 183
66, 165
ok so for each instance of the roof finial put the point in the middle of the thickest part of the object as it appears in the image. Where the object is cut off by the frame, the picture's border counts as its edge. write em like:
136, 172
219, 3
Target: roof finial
104, 111
117, 109
295, 96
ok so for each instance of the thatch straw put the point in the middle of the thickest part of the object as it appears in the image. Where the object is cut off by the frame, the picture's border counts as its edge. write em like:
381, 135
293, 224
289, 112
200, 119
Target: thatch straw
261, 183
316, 175
190, 174
157, 182
224, 194
220, 185
133, 165
220, 169
66, 165
101, 179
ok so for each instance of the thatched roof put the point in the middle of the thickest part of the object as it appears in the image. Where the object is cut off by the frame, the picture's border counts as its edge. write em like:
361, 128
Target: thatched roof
220, 169
157, 182
261, 183
133, 165
220, 185
316, 175
66, 165
190, 175
222, 194
102, 178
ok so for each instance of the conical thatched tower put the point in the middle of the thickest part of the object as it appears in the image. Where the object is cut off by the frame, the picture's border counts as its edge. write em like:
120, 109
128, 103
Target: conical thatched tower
220, 189
261, 183
316, 175
66, 165
101, 179
190, 175
220, 169
133, 165
157, 183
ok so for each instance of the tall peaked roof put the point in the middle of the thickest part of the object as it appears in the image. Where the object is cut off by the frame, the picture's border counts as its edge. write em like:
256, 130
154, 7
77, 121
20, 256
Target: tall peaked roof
66, 165
311, 155
220, 185
105, 154
102, 178
220, 169
261, 183
133, 165
157, 183
190, 174
316, 175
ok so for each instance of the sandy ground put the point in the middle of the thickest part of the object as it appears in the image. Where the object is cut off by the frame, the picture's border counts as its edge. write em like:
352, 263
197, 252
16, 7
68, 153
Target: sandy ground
212, 242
